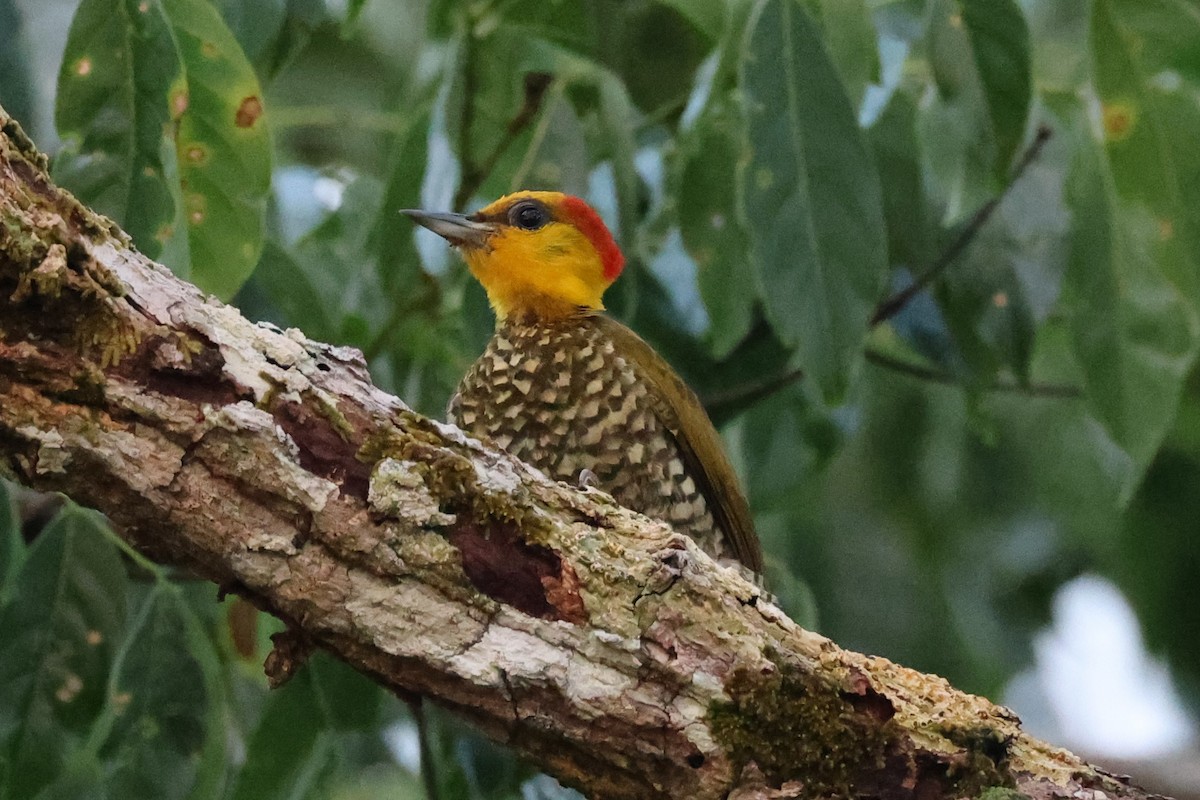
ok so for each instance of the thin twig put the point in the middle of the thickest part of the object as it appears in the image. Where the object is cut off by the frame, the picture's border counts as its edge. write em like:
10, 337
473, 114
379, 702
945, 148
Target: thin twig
429, 776
661, 114
536, 84
892, 306
467, 118
749, 394
1049, 390
426, 300
718, 404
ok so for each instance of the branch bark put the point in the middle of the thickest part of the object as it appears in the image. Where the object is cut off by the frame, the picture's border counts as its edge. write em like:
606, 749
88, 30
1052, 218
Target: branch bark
604, 647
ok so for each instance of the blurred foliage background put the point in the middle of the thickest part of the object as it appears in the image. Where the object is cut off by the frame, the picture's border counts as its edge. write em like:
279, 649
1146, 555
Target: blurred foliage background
774, 169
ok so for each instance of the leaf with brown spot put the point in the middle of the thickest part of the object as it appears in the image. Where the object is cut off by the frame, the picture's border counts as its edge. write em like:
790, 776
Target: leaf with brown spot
163, 118
226, 191
248, 112
111, 111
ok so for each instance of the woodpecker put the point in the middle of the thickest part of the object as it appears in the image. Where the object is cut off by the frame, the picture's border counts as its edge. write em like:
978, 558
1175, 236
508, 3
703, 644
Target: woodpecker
575, 393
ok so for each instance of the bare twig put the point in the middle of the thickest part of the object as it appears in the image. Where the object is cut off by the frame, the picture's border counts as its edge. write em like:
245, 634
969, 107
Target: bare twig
429, 770
892, 305
921, 372
719, 404
536, 84
423, 301
467, 117
889, 307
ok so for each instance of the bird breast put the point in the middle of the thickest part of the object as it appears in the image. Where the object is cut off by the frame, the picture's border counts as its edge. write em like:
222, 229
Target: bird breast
560, 397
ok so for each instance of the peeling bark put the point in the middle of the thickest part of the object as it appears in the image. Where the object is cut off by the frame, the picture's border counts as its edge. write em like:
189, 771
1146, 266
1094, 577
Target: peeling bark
602, 646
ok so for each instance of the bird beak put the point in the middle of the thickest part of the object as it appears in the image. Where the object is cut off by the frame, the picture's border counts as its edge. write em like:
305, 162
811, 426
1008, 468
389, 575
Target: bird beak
457, 229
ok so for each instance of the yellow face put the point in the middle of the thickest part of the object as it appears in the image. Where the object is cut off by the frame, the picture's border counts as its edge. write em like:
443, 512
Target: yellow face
540, 254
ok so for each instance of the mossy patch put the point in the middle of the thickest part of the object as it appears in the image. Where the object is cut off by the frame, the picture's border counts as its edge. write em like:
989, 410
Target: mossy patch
798, 726
55, 288
837, 737
1002, 793
984, 757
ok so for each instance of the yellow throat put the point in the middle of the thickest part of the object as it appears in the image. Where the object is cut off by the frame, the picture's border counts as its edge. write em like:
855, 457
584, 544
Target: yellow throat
544, 255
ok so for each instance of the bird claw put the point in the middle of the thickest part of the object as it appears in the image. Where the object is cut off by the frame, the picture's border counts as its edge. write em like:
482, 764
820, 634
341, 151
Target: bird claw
588, 480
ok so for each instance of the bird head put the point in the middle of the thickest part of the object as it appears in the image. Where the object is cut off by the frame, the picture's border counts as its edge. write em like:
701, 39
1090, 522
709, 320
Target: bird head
544, 255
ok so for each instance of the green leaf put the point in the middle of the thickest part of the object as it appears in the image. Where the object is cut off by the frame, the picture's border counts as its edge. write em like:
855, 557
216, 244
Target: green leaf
164, 116
979, 54
492, 71
568, 23
1061, 63
333, 256
347, 699
712, 230
556, 156
618, 118
119, 67
912, 228
397, 262
167, 729
224, 151
257, 24
1147, 129
1007, 282
786, 440
12, 544
1157, 556
1135, 336
818, 283
468, 765
1134, 271
294, 294
958, 141
291, 755
353, 9
1165, 34
655, 49
1000, 46
81, 779
16, 88
60, 630
273, 32
851, 38
707, 15
905, 21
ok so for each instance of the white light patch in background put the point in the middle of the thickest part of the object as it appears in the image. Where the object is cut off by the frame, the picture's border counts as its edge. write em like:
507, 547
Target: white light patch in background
329, 191
1093, 687
404, 744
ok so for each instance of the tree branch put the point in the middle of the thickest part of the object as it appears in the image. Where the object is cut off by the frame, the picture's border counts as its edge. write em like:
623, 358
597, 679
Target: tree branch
535, 85
891, 306
269, 464
924, 373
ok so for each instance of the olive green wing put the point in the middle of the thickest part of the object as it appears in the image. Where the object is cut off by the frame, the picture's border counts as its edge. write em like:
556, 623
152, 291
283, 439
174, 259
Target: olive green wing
681, 413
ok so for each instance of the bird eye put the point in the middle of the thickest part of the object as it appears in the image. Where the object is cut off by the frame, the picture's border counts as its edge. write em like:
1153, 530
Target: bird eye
528, 215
